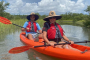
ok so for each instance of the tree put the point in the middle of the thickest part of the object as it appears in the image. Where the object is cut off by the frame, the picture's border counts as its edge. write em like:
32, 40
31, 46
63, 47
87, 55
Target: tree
43, 16
88, 9
3, 7
87, 19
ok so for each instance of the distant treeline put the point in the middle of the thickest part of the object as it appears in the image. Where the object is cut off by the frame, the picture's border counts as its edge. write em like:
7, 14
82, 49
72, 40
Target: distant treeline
66, 16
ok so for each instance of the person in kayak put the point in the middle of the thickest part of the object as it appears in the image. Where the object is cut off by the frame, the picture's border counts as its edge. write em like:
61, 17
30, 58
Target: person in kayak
53, 33
31, 27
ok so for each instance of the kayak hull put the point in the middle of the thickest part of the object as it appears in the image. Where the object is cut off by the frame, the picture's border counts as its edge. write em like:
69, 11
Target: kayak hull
65, 54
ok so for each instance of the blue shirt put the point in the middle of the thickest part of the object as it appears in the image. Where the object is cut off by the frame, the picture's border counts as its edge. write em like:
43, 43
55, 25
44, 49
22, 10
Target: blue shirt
26, 23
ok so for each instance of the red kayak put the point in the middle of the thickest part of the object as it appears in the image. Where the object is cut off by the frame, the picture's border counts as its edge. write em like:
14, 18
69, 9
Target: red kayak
64, 54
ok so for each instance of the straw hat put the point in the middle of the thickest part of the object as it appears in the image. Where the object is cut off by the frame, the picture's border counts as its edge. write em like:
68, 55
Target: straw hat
52, 14
36, 16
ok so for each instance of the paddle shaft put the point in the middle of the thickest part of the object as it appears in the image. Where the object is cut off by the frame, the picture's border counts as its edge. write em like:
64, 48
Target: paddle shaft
22, 27
17, 25
61, 44
82, 42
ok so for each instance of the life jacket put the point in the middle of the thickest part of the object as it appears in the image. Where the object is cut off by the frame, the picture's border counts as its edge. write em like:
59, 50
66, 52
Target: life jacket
53, 32
32, 29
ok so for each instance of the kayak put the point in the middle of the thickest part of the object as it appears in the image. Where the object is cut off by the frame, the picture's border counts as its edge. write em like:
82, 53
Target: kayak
64, 54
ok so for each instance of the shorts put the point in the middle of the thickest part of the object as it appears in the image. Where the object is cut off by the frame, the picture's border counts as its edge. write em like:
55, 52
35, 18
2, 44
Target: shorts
34, 35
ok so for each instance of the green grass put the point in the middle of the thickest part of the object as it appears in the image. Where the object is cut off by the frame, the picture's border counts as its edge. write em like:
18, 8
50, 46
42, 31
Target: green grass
22, 21
70, 22
10, 28
19, 21
80, 22
40, 22
4, 28
61, 22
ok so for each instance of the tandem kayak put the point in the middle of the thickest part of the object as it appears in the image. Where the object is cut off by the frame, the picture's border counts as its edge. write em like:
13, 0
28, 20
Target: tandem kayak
64, 54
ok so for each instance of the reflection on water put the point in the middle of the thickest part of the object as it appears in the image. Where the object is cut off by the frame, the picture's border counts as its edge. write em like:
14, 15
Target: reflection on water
87, 32
10, 39
76, 33
34, 55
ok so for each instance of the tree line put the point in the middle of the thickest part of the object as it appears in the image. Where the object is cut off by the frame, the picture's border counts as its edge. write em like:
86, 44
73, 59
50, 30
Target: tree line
67, 16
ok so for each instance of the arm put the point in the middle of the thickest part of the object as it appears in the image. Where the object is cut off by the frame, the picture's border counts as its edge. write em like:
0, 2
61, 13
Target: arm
40, 31
44, 30
38, 27
23, 29
24, 26
65, 38
45, 37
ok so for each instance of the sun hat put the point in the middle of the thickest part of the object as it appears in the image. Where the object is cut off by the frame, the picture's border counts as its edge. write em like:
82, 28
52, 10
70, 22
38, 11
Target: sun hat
36, 16
52, 14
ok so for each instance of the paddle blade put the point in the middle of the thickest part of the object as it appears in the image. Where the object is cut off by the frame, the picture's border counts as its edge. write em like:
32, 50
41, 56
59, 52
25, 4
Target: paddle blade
5, 20
19, 49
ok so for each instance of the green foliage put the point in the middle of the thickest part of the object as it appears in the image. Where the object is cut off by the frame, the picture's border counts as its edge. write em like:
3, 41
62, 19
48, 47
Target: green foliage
72, 16
41, 22
88, 9
3, 7
87, 21
41, 16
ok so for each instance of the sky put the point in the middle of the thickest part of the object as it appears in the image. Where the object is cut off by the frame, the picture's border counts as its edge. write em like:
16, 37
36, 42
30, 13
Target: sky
43, 7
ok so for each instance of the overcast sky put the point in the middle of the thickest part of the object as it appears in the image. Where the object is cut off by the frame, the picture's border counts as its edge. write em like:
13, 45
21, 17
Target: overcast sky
45, 6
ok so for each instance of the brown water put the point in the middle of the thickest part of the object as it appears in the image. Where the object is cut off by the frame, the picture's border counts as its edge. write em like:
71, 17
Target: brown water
75, 33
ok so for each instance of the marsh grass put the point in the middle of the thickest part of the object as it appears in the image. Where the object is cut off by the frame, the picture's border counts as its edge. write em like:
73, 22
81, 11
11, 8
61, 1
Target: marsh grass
62, 22
40, 22
20, 22
10, 28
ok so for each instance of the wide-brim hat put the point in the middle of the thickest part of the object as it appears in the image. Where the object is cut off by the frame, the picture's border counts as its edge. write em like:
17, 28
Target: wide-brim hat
52, 14
36, 16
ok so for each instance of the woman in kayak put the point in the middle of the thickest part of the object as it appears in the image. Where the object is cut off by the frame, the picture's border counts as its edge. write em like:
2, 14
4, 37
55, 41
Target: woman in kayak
31, 27
53, 32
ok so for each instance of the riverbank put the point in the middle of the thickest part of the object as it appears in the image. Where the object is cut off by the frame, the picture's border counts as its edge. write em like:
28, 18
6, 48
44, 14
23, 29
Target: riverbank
70, 22
63, 22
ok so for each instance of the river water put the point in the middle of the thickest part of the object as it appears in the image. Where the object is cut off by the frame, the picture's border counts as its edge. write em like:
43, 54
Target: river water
12, 39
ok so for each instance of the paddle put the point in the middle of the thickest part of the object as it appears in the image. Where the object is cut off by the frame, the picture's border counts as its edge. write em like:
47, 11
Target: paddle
6, 21
25, 48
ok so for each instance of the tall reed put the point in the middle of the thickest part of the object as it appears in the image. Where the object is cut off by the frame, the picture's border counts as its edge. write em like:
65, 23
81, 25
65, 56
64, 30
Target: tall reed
10, 28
